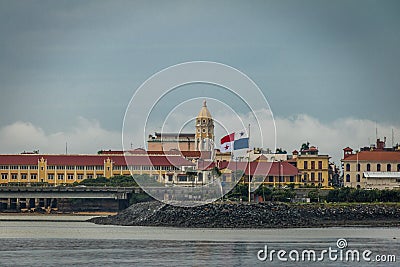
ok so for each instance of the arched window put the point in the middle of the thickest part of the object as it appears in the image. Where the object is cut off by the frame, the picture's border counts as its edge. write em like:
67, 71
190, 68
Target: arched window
368, 167
358, 167
348, 167
378, 167
358, 178
347, 178
389, 167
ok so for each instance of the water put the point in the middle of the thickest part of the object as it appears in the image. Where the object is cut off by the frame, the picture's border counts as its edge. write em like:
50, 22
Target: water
69, 241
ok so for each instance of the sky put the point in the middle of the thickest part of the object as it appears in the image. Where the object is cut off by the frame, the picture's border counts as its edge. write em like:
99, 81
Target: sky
330, 70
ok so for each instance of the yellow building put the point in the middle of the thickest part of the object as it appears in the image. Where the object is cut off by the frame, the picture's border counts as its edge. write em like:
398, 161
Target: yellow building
67, 169
313, 168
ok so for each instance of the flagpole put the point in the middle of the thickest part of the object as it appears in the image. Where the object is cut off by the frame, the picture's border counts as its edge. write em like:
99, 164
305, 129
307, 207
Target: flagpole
249, 166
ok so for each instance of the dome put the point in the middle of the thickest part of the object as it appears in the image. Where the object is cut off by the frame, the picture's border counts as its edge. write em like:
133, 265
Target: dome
204, 112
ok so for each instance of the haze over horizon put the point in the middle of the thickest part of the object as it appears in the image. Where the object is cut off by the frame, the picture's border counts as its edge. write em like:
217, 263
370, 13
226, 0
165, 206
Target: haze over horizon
330, 70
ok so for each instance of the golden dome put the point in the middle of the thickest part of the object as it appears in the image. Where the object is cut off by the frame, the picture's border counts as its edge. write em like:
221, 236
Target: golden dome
204, 112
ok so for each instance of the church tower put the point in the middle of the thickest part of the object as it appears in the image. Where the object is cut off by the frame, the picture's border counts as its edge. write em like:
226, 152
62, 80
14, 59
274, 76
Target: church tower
204, 129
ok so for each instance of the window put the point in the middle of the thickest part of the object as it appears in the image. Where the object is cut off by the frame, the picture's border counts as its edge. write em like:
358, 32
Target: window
182, 178
60, 167
358, 167
116, 167
99, 175
23, 176
3, 167
368, 167
33, 176
14, 176
271, 179
70, 177
358, 178
347, 178
204, 121
90, 168
80, 168
313, 165
348, 167
305, 165
80, 176
389, 168
99, 168
60, 176
50, 176
33, 167
378, 167
292, 179
89, 176
398, 167
198, 130
4, 176
320, 165
70, 167
14, 167
312, 176
320, 176
204, 130
24, 167
51, 167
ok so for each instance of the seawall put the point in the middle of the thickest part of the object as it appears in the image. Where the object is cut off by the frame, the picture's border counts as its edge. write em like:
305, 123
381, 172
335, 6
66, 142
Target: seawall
256, 215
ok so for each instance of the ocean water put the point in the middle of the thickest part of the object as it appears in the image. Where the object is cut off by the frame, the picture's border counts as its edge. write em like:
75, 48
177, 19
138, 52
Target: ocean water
69, 241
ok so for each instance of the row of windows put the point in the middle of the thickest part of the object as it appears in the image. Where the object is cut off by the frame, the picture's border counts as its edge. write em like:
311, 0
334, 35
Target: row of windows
312, 163
312, 176
98, 168
281, 179
14, 176
58, 167
20, 167
378, 167
358, 178
146, 168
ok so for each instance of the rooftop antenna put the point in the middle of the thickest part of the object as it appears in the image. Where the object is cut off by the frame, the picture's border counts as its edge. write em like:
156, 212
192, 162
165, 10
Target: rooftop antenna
376, 131
392, 137
66, 148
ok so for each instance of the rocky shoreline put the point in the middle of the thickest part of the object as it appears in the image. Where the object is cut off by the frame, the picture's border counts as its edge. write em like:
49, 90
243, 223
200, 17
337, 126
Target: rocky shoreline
256, 215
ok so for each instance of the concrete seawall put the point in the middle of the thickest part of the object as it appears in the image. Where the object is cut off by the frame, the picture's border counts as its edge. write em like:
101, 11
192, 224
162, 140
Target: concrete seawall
257, 215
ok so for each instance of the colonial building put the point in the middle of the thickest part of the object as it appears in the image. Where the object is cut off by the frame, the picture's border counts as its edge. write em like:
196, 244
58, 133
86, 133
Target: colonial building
313, 167
171, 141
201, 140
263, 171
374, 167
67, 169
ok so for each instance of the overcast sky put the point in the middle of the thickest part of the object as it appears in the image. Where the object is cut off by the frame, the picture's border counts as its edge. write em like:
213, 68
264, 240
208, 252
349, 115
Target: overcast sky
330, 70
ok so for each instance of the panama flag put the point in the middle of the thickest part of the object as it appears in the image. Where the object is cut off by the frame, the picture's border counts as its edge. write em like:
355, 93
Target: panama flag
234, 141
227, 143
241, 140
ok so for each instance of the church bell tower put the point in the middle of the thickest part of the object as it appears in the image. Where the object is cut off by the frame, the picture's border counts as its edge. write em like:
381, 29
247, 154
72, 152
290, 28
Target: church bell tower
204, 129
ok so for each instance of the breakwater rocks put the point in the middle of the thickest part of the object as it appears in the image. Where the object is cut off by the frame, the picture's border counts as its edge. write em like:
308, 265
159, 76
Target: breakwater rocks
256, 215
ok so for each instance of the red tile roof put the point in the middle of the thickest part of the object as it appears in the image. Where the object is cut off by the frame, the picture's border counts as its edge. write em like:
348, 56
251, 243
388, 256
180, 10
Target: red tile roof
392, 156
71, 160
